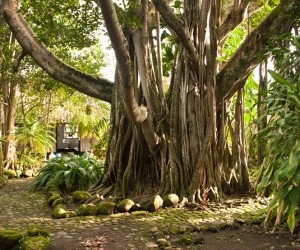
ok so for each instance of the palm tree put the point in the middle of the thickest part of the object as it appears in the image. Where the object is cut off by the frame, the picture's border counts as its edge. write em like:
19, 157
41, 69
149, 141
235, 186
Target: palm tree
34, 138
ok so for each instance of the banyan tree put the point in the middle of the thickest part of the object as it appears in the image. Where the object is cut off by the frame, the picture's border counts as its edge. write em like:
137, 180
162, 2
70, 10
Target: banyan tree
172, 135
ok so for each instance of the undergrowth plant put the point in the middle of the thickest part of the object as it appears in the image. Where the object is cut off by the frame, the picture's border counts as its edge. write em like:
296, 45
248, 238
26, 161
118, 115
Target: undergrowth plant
69, 173
280, 171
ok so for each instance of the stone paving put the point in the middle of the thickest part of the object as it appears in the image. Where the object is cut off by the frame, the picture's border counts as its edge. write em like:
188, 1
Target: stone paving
20, 207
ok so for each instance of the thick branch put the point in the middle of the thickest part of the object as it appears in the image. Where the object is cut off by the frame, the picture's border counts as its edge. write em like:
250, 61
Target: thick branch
178, 27
119, 43
234, 18
251, 52
18, 60
87, 84
120, 46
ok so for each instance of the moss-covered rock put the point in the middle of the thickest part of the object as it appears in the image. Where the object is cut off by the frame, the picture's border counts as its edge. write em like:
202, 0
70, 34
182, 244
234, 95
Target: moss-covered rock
36, 242
9, 238
156, 204
106, 208
78, 196
28, 173
58, 201
125, 205
87, 209
18, 173
171, 231
70, 214
186, 240
171, 200
53, 197
10, 173
163, 243
60, 211
35, 230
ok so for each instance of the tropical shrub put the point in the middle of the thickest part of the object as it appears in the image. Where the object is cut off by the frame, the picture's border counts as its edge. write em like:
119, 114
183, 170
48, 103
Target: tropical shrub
34, 140
280, 171
69, 173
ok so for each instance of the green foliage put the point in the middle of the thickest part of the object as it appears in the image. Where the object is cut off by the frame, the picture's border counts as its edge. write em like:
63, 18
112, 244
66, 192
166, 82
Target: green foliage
128, 15
34, 138
280, 171
69, 173
69, 23
34, 135
169, 51
232, 43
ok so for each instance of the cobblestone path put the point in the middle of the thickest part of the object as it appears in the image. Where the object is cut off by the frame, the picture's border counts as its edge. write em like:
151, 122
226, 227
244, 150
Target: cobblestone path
20, 207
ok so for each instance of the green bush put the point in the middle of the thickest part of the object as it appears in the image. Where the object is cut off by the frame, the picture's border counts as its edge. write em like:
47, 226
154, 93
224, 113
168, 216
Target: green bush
280, 171
69, 173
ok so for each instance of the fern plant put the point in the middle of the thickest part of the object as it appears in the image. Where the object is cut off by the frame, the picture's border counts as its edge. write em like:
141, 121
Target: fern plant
280, 171
69, 173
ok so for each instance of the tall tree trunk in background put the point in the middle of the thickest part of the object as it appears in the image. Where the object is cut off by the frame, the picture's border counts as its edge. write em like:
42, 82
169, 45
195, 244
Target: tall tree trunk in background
263, 87
1, 128
9, 92
9, 109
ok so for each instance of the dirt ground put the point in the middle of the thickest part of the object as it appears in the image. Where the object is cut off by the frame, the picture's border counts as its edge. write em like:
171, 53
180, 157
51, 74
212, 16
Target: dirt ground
246, 237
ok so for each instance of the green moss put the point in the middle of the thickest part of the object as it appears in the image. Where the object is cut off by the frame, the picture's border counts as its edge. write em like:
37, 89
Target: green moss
53, 193
58, 201
10, 173
106, 208
156, 204
173, 230
36, 242
209, 228
52, 198
87, 209
171, 200
34, 230
59, 212
125, 205
9, 239
70, 214
78, 196
186, 240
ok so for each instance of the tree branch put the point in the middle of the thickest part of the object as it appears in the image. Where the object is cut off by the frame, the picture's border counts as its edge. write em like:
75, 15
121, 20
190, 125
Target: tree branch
233, 19
87, 84
18, 60
119, 43
252, 51
178, 27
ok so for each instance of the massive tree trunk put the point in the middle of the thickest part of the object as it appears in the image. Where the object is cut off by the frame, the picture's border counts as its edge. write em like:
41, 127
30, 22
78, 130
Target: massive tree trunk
192, 158
175, 144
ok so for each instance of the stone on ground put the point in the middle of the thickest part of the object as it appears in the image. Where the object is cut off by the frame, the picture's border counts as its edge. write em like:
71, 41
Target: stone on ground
106, 208
125, 205
79, 196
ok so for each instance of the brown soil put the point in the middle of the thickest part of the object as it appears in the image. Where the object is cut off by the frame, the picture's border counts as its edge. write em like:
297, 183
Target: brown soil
19, 207
247, 237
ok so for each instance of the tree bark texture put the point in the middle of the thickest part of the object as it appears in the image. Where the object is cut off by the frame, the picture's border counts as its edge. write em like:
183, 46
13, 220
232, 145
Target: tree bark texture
8, 88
